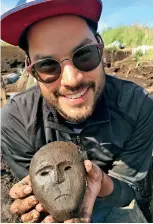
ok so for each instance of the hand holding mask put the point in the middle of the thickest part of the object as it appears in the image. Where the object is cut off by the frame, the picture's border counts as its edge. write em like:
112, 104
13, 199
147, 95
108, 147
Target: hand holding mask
58, 179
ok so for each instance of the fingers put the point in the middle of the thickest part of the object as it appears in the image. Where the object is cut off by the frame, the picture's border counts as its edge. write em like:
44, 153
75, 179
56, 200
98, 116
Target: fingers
88, 165
87, 207
30, 217
20, 206
94, 177
40, 208
78, 220
94, 172
49, 219
21, 189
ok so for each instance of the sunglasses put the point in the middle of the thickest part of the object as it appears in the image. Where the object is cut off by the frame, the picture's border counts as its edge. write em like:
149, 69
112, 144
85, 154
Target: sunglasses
85, 59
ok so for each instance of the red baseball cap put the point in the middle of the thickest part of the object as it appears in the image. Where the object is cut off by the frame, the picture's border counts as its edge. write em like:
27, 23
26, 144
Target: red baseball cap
28, 12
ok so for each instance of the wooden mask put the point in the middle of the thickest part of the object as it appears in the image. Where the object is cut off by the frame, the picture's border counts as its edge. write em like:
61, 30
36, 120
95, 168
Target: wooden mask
58, 179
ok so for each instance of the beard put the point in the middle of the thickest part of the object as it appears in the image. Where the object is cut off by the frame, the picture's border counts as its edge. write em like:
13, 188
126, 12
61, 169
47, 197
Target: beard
52, 99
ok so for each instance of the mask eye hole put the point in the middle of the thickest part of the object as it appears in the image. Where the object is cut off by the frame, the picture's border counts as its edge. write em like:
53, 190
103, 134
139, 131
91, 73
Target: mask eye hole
67, 168
45, 173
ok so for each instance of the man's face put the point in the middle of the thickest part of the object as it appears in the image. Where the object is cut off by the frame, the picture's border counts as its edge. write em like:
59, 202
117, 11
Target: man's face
75, 93
58, 179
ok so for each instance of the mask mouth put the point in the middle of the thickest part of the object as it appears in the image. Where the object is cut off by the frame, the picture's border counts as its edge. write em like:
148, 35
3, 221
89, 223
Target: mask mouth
62, 195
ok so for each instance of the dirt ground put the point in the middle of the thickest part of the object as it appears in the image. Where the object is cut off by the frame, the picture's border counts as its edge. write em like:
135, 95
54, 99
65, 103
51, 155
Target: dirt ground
7, 181
122, 65
119, 64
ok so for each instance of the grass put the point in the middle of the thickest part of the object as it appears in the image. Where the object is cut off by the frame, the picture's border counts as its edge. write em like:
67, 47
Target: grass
113, 49
148, 56
138, 55
129, 36
141, 59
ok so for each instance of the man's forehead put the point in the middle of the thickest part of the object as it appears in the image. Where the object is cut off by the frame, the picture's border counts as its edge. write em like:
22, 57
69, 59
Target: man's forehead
81, 44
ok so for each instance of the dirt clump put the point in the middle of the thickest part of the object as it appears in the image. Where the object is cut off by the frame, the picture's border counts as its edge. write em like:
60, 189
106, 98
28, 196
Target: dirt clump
129, 69
7, 181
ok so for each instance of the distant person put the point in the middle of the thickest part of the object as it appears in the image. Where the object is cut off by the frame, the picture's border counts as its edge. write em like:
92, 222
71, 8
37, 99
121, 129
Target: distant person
110, 119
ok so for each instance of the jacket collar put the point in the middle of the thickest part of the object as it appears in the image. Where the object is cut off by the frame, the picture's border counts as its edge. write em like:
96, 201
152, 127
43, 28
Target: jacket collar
101, 113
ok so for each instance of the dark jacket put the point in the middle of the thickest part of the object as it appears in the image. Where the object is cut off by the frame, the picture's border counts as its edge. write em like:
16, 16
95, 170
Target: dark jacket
118, 137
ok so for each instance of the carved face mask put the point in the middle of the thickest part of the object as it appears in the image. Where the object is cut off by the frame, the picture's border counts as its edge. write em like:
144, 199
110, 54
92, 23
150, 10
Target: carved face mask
58, 179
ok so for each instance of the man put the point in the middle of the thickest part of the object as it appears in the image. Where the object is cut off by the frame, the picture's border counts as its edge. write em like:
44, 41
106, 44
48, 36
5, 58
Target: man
111, 119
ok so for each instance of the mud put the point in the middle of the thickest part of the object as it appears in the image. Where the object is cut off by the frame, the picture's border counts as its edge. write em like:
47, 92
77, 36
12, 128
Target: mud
7, 181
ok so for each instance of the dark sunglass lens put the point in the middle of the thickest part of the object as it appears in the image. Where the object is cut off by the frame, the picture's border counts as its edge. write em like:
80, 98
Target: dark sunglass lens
48, 66
87, 58
47, 70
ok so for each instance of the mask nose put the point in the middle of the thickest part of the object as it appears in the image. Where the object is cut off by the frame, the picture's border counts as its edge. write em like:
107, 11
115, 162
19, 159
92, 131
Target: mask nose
57, 176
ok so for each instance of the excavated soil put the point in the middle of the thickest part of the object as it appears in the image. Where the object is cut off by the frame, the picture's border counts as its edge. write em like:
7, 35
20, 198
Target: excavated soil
7, 181
119, 64
12, 58
122, 65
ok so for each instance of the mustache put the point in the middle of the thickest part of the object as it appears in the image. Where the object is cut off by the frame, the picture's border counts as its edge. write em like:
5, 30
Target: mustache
70, 90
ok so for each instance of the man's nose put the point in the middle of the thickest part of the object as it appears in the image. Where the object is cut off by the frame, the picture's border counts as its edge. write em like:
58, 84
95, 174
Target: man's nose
57, 176
70, 75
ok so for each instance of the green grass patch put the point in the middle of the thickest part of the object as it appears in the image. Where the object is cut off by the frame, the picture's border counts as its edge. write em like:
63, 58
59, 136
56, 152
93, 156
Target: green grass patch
138, 55
140, 58
112, 49
129, 36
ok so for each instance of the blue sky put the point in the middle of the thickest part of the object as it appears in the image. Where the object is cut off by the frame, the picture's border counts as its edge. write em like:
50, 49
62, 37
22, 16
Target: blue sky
115, 12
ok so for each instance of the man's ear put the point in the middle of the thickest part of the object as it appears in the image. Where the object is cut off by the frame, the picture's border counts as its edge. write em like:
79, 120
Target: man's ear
27, 61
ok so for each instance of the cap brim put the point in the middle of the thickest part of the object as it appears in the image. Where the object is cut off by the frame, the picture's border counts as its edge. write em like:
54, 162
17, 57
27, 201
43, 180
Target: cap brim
15, 21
